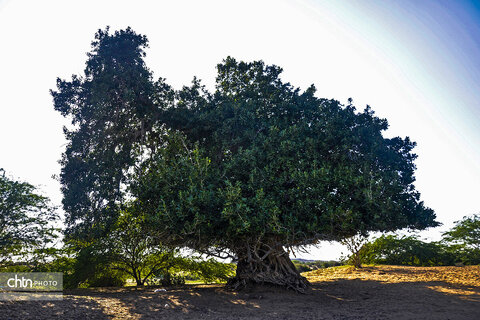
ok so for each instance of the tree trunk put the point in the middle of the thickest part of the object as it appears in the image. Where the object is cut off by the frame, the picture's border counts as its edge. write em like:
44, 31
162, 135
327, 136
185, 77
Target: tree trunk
268, 267
138, 278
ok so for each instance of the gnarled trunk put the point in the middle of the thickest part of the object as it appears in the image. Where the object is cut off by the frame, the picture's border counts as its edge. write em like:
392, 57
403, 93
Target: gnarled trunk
272, 266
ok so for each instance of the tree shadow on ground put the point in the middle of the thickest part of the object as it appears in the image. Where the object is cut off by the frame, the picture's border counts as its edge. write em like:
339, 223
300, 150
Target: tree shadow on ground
68, 308
338, 299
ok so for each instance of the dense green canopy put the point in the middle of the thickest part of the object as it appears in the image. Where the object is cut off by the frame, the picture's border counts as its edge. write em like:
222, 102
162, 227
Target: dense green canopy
25, 221
466, 232
112, 113
259, 159
254, 168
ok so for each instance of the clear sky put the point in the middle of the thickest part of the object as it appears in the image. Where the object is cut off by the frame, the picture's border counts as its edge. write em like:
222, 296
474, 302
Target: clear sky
417, 63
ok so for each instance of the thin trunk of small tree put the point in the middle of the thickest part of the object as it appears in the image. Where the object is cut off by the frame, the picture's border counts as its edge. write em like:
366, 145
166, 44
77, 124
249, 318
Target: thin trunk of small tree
138, 278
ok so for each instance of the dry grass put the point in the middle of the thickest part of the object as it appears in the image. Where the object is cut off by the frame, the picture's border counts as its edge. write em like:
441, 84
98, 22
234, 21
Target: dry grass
375, 292
468, 276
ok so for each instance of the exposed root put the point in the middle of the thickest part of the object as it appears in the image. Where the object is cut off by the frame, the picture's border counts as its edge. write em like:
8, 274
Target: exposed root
276, 269
298, 284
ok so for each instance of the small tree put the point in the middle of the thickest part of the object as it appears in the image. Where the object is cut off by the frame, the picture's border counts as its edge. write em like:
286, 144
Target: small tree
355, 245
128, 250
113, 116
91, 266
464, 239
26, 219
466, 232
405, 250
135, 252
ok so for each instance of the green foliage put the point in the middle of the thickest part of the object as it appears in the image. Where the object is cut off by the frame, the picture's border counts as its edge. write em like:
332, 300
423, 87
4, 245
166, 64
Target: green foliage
131, 249
26, 217
405, 250
252, 169
113, 115
327, 264
466, 232
126, 252
355, 245
194, 268
105, 279
167, 278
305, 266
461, 244
260, 163
88, 262
302, 266
464, 239
209, 271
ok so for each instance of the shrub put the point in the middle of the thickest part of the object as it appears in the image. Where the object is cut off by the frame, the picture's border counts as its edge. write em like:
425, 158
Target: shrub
406, 250
463, 240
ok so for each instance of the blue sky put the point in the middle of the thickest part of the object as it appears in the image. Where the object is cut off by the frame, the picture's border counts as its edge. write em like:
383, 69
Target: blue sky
415, 62
439, 42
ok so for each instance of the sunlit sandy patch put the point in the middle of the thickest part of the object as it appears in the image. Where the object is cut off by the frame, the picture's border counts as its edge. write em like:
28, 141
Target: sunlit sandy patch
466, 276
453, 290
464, 294
245, 303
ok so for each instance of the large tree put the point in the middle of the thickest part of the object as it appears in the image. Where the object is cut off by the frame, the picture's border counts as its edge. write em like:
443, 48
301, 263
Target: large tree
259, 168
253, 170
112, 112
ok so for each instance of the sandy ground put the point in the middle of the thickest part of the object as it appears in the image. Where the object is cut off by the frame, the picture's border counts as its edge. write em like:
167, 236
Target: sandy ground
380, 292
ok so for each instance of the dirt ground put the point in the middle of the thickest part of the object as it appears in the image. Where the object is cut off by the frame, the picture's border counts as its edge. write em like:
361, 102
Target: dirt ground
380, 292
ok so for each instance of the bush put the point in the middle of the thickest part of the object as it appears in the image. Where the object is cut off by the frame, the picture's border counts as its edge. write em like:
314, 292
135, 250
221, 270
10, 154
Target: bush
463, 255
463, 240
302, 266
209, 271
406, 250
305, 266
355, 245
105, 280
